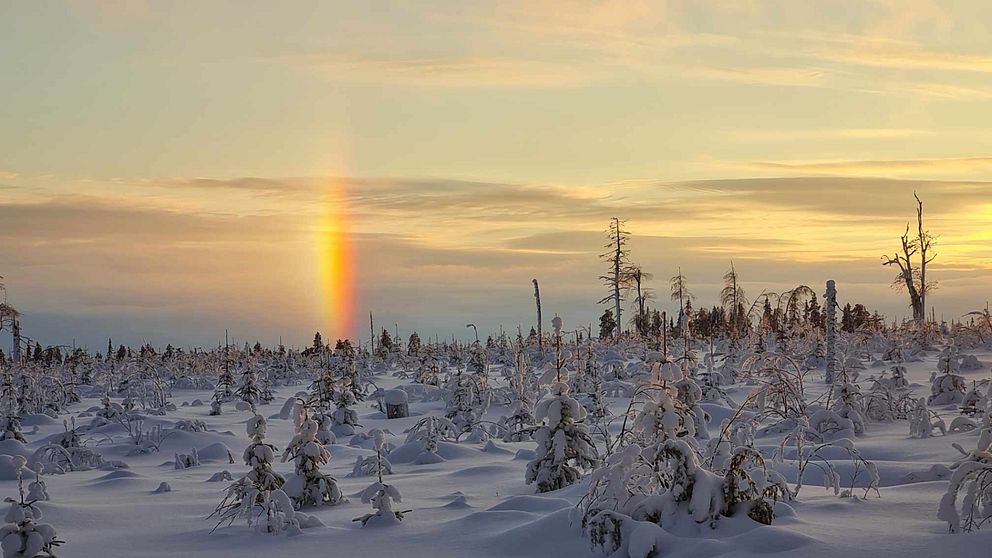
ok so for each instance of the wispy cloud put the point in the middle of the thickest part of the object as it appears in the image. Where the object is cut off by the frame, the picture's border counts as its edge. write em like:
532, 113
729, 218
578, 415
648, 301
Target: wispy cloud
439, 70
890, 167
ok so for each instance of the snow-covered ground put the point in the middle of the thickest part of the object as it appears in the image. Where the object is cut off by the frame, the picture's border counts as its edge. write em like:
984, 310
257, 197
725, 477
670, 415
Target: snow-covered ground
475, 502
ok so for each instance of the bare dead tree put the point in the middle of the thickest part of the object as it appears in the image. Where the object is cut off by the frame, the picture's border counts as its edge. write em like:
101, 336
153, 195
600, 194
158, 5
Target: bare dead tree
9, 318
537, 300
618, 278
911, 278
925, 242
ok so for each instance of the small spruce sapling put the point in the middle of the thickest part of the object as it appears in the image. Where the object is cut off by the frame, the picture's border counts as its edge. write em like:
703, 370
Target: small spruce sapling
380, 495
23, 536
564, 446
308, 486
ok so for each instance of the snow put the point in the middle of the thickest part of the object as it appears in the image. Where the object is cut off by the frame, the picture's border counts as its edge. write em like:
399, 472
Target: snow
471, 499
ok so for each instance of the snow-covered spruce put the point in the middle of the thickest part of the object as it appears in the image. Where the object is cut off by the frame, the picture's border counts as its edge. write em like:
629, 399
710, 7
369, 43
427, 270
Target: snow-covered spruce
565, 448
258, 496
307, 486
344, 419
380, 495
23, 536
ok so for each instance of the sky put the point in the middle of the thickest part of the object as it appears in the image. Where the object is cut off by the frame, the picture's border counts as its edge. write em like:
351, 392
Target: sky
169, 170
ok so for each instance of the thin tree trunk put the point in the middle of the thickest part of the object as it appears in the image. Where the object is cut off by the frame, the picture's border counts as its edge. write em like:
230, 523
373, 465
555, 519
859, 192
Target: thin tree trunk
537, 300
616, 275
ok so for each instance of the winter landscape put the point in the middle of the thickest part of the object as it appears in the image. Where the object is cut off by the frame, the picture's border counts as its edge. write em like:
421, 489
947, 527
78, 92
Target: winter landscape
495, 279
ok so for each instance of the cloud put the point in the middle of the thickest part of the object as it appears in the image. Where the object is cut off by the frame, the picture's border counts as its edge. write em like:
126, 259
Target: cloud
889, 167
445, 251
460, 71
7, 175
794, 134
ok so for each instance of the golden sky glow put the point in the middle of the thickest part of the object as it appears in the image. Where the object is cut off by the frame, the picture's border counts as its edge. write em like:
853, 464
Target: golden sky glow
169, 170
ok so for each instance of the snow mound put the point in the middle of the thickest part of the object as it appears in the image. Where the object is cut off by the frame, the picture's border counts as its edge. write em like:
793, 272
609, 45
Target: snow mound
492, 448
411, 452
13, 447
215, 452
532, 504
7, 471
38, 420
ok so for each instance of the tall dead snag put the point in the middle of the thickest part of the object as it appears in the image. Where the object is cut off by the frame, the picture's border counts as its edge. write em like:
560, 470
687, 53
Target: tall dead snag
8, 317
537, 300
637, 277
911, 277
831, 306
618, 278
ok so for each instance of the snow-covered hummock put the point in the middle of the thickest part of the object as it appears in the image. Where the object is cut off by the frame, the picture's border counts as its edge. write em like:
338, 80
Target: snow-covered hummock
564, 446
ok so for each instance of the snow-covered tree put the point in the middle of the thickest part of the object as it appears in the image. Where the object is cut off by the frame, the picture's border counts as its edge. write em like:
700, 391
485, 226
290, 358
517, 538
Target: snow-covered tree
308, 486
23, 536
429, 432
380, 495
258, 496
972, 477
565, 448
344, 419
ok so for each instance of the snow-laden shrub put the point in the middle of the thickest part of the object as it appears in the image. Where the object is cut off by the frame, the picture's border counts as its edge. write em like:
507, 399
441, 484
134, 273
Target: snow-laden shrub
640, 490
187, 460
428, 432
806, 445
564, 447
923, 421
191, 425
946, 386
12, 429
973, 478
849, 405
889, 398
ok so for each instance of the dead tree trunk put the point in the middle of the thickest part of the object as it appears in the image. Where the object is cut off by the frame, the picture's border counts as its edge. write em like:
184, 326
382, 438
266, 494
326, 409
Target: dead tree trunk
912, 279
537, 300
831, 319
924, 240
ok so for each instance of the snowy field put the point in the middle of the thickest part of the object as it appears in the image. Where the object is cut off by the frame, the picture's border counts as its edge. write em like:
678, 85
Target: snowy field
475, 502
